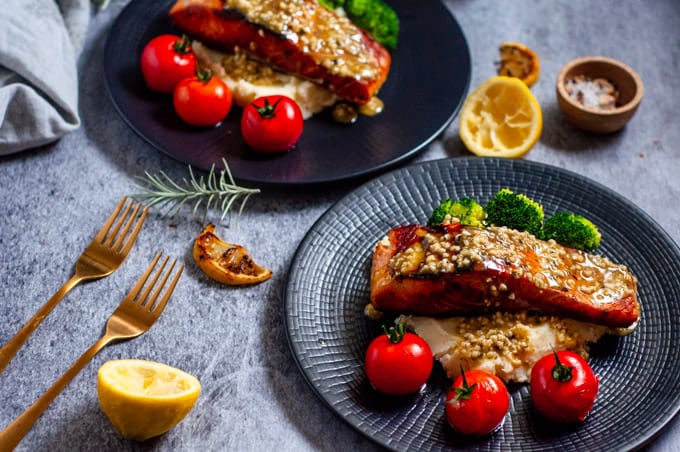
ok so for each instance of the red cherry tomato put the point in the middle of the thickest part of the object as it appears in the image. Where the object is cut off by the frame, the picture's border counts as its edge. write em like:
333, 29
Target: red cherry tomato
398, 363
202, 100
477, 403
272, 123
563, 387
166, 60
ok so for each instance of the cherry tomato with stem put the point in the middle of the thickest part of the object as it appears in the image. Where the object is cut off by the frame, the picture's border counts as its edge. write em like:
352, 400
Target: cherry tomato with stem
477, 403
398, 362
563, 387
166, 60
202, 100
272, 123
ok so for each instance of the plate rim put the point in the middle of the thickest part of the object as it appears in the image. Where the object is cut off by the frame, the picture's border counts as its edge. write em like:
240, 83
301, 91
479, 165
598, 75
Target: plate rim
641, 441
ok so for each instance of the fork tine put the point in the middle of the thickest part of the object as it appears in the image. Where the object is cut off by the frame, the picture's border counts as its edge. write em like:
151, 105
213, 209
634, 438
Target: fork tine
145, 295
105, 229
130, 239
157, 308
140, 283
126, 228
149, 303
124, 218
113, 230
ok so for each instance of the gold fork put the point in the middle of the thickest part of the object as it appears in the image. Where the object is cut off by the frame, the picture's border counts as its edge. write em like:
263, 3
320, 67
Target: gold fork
103, 256
133, 317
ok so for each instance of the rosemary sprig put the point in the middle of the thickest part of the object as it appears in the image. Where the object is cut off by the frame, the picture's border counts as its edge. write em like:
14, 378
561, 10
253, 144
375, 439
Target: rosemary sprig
215, 191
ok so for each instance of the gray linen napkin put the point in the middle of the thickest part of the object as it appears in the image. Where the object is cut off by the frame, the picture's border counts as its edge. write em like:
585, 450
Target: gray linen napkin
39, 44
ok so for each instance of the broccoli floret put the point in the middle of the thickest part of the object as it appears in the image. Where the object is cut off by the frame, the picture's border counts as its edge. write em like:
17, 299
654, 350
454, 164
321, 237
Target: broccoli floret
467, 210
357, 7
332, 4
516, 211
377, 18
440, 212
572, 230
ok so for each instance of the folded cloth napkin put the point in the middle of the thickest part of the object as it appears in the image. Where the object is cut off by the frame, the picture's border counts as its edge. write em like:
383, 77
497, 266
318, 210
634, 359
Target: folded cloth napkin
39, 44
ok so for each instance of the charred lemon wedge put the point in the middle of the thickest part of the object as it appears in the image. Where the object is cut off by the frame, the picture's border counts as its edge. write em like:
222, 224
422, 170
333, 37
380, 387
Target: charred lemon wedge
226, 262
519, 61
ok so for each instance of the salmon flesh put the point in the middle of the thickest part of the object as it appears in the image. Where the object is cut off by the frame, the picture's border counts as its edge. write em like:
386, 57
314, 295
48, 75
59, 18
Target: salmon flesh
463, 270
298, 37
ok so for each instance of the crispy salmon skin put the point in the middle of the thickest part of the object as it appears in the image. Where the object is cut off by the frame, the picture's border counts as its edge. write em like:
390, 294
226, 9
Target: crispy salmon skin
464, 270
299, 37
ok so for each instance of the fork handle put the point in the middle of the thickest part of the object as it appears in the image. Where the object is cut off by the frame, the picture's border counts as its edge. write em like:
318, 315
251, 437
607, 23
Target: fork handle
14, 432
11, 348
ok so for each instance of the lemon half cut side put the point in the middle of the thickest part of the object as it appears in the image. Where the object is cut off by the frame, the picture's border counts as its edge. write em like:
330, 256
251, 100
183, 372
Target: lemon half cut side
501, 118
144, 399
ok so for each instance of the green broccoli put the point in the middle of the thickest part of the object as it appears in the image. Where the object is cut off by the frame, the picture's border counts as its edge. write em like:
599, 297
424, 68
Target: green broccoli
572, 230
467, 210
515, 211
377, 18
440, 212
332, 4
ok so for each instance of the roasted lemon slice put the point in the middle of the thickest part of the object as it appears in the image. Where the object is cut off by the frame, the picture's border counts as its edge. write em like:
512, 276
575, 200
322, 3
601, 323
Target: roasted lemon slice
501, 118
518, 60
143, 399
226, 262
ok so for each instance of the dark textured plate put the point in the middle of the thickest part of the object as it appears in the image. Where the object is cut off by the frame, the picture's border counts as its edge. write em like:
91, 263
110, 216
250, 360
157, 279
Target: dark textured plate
429, 78
328, 287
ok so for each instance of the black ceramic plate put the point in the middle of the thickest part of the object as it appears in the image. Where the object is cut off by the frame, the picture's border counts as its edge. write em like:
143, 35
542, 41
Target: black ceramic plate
428, 80
328, 287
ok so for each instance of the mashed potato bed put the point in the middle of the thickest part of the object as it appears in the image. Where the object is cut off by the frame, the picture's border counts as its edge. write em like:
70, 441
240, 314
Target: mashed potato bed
249, 79
504, 344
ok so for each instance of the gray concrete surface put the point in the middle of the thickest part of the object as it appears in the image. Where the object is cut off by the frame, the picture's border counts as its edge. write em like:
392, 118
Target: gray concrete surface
54, 198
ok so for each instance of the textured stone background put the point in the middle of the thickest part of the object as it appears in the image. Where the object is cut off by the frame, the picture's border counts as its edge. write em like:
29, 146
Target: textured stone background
55, 197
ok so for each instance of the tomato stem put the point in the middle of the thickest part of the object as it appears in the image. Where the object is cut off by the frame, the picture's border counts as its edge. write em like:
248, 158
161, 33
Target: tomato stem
203, 75
561, 372
463, 392
182, 45
395, 335
267, 111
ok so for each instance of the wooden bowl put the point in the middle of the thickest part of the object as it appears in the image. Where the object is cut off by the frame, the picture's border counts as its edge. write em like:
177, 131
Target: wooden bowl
593, 119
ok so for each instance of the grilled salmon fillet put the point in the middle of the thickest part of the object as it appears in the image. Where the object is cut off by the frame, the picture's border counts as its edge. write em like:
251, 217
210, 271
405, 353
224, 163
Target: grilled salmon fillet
299, 37
463, 270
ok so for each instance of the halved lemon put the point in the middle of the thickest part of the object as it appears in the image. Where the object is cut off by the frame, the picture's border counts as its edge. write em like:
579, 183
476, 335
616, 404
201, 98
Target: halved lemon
518, 60
225, 262
143, 399
501, 118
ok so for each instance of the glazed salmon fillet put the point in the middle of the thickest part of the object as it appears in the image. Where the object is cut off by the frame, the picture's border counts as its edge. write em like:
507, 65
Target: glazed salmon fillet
463, 270
299, 37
